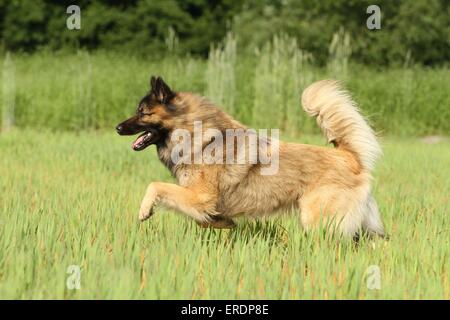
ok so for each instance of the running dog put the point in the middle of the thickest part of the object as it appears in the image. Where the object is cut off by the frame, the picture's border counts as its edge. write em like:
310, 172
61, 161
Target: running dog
323, 184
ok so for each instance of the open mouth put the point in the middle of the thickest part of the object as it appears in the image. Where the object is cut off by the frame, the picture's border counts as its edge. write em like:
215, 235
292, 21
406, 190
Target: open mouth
144, 140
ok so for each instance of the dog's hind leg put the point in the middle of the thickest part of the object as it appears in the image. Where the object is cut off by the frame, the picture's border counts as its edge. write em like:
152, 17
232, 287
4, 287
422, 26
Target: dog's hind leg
372, 221
333, 208
197, 204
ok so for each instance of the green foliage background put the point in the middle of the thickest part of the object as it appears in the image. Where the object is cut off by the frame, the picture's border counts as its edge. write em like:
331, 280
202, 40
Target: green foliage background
417, 28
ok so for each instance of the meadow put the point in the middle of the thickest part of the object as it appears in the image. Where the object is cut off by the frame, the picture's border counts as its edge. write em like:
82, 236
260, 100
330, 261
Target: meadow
79, 91
70, 187
72, 199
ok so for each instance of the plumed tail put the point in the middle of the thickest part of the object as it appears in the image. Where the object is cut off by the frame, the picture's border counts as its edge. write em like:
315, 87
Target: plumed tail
340, 120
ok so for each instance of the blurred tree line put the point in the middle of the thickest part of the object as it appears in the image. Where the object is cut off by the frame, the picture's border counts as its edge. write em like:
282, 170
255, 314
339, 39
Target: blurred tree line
417, 30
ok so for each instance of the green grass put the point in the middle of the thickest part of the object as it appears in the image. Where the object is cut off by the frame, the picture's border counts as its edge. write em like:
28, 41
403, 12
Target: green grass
72, 199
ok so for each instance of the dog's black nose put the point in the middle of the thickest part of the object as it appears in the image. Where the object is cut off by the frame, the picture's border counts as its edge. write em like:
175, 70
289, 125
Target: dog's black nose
119, 128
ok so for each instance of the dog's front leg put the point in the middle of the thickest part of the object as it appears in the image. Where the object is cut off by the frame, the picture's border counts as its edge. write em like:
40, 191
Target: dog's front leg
197, 204
149, 201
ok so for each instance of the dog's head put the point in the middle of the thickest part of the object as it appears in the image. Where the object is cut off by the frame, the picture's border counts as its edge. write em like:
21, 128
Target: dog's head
152, 118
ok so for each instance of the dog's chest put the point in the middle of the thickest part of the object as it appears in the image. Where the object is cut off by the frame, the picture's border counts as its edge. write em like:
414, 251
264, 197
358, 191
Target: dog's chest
186, 176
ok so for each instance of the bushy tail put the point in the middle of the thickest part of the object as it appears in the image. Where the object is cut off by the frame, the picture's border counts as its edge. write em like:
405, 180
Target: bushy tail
340, 120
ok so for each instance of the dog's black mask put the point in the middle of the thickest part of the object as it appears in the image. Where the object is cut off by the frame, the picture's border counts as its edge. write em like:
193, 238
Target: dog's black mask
150, 115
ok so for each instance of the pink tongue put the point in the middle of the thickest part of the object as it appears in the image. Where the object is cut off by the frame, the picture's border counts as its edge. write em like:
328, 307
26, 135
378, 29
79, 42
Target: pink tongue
138, 140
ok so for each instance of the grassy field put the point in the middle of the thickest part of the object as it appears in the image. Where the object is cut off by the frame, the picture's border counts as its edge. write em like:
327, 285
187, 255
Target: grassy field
72, 199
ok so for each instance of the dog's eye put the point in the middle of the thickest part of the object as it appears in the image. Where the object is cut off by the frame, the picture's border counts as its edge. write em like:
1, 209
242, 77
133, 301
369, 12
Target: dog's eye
145, 113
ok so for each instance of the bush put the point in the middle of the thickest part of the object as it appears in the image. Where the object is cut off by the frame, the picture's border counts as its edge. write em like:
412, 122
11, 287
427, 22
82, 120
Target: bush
415, 29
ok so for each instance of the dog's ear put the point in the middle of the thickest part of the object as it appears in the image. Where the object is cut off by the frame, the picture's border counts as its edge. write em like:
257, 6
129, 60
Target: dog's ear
161, 90
152, 83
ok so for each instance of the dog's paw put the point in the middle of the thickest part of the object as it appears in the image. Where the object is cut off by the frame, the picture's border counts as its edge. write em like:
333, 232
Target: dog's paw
223, 224
217, 222
145, 212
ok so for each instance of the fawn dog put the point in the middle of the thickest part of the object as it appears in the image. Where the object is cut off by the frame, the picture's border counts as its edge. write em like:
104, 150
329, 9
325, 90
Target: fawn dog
322, 184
